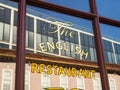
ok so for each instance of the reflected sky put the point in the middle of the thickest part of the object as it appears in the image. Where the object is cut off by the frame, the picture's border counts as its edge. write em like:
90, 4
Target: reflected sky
109, 8
80, 23
110, 32
74, 4
10, 3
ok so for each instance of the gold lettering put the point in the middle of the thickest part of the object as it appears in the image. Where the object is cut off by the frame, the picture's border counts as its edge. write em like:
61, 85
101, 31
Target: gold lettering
61, 70
93, 73
81, 73
68, 72
42, 67
58, 45
55, 69
50, 45
42, 47
87, 74
72, 47
60, 26
74, 72
71, 34
65, 32
34, 68
77, 50
84, 53
49, 69
65, 47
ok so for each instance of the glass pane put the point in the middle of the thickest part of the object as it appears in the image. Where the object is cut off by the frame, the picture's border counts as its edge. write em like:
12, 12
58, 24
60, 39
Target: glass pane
5, 16
29, 32
109, 9
111, 43
60, 34
7, 56
82, 5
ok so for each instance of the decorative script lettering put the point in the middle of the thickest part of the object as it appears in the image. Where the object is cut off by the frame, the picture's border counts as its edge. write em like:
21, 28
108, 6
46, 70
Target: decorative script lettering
60, 27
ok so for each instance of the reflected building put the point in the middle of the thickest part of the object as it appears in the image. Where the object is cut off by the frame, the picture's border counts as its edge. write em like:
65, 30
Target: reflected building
58, 54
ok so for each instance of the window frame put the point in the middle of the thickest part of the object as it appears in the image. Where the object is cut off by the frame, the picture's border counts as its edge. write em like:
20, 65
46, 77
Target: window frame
113, 82
3, 77
97, 82
83, 80
61, 81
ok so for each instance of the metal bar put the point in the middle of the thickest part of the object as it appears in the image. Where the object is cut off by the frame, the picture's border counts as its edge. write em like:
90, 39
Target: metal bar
99, 48
20, 52
109, 21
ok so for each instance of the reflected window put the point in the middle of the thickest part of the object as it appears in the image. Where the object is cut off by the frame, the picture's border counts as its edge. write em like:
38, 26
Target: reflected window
117, 52
45, 38
4, 45
45, 80
15, 27
70, 43
27, 80
88, 45
6, 79
108, 51
96, 82
29, 32
112, 84
57, 33
63, 81
56, 17
80, 83
110, 35
110, 32
5, 15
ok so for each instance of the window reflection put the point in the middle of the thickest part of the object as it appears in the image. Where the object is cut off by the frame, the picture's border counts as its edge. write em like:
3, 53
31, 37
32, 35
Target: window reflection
88, 44
29, 32
45, 81
111, 42
108, 51
5, 15
117, 52
15, 27
7, 79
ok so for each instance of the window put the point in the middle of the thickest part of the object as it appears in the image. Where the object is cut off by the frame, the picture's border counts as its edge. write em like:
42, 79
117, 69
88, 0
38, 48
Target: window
63, 81
112, 84
45, 80
5, 14
108, 51
88, 44
110, 36
6, 79
117, 52
97, 85
43, 36
80, 83
15, 27
27, 80
29, 32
